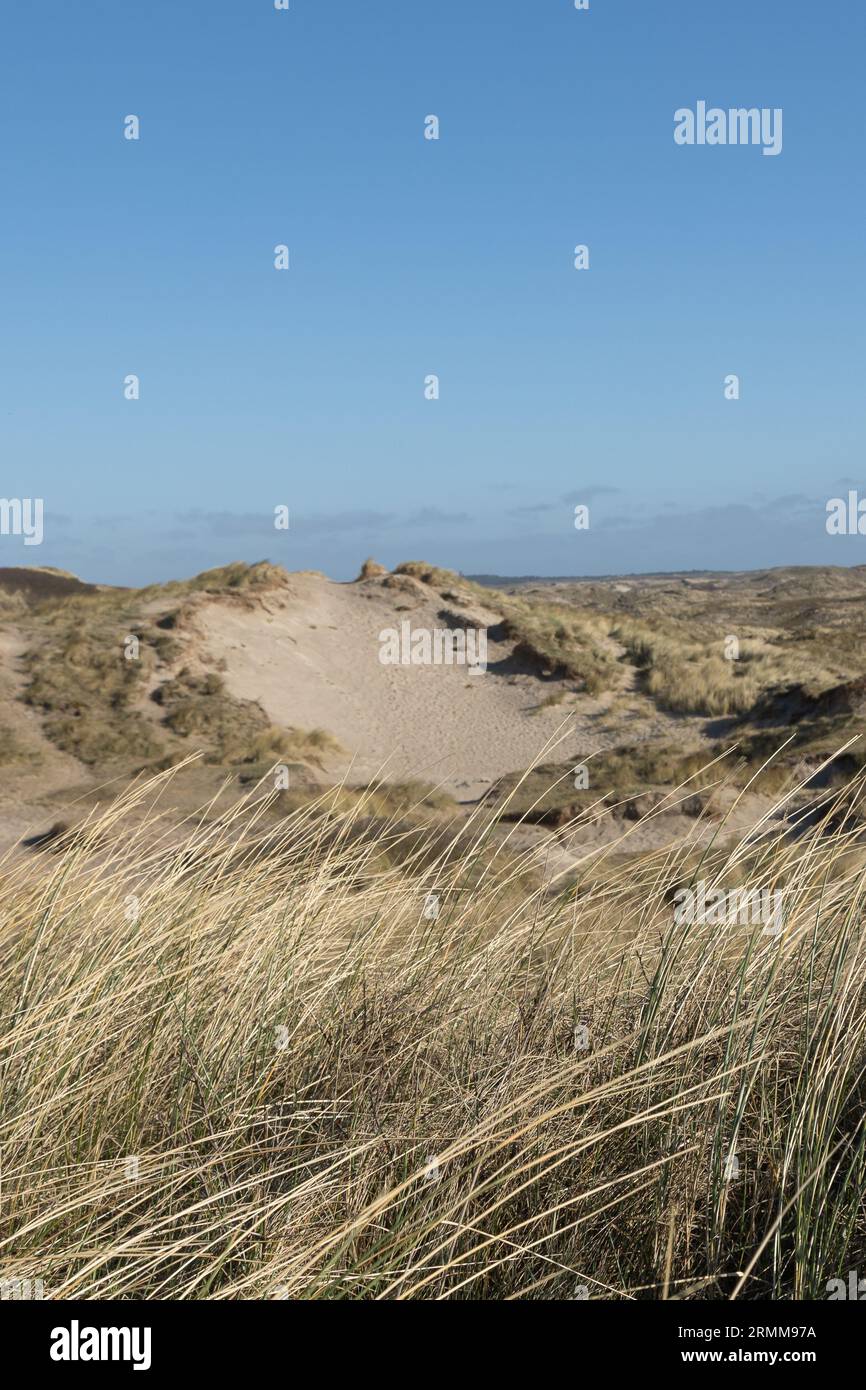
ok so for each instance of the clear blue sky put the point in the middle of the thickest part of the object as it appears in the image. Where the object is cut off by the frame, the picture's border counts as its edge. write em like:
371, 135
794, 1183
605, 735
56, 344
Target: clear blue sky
411, 257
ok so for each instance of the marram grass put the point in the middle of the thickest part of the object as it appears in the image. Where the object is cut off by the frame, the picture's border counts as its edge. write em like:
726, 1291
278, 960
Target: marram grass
251, 1059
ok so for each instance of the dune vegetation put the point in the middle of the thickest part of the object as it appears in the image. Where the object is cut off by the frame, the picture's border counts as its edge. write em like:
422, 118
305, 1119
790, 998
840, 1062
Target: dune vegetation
277, 1026
260, 1061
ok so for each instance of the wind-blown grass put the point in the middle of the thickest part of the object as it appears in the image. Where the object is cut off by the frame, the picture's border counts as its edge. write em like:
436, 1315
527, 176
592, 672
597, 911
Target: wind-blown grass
250, 1062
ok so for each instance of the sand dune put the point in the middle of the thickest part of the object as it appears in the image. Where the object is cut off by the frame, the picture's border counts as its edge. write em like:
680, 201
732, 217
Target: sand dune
311, 659
233, 651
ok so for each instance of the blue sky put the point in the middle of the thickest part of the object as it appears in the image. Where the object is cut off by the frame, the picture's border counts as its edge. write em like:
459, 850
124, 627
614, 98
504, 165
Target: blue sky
412, 257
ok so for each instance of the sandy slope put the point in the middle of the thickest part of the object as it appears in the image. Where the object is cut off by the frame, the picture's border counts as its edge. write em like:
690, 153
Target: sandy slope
312, 661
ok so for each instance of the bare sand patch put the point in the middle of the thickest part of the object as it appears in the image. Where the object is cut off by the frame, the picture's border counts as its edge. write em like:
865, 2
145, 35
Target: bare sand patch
311, 660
